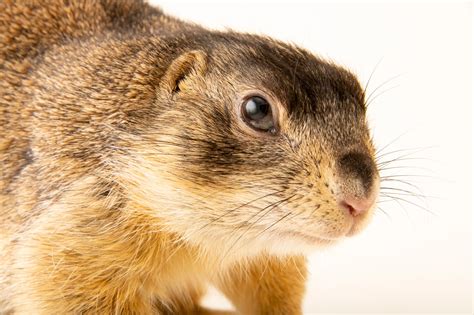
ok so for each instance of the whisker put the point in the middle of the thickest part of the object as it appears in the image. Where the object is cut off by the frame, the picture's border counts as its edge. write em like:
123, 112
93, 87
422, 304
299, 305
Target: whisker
400, 204
402, 182
275, 223
380, 94
414, 150
371, 74
395, 198
395, 177
368, 100
383, 84
241, 206
402, 159
390, 143
405, 167
412, 195
414, 204
269, 207
382, 189
384, 212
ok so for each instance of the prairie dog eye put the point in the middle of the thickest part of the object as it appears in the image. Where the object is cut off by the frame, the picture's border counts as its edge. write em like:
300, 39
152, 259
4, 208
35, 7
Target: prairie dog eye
257, 113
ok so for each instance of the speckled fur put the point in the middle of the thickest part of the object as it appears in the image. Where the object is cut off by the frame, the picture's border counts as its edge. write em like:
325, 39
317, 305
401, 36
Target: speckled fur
128, 181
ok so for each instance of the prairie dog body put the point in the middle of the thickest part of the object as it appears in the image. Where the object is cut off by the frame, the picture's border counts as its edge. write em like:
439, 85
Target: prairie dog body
144, 157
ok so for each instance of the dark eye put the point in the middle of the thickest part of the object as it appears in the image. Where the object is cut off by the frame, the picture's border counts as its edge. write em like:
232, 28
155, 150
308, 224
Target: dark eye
257, 113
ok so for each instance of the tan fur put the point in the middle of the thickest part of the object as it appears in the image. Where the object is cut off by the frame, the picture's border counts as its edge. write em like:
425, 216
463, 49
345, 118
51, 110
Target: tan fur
127, 184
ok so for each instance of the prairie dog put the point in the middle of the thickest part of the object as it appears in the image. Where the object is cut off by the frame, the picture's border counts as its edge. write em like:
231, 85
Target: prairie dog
144, 157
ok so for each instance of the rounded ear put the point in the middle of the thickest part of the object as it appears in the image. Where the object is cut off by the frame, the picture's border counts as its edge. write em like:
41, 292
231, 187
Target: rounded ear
183, 69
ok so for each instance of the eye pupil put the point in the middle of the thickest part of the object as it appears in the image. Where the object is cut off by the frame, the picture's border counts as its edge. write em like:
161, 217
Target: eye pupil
256, 108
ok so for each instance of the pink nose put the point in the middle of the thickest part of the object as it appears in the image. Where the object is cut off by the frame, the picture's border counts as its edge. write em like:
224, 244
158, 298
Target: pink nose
357, 206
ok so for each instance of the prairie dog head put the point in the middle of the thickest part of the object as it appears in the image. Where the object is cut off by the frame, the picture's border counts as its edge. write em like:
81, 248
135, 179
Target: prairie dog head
257, 145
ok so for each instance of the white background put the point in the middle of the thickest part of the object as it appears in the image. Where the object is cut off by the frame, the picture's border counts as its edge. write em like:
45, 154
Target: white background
408, 261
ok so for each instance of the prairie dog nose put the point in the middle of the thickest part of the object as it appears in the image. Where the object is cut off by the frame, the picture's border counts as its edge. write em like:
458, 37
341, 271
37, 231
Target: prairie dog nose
357, 206
359, 182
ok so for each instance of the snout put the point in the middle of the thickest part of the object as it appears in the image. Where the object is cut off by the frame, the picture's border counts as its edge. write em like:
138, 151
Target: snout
358, 183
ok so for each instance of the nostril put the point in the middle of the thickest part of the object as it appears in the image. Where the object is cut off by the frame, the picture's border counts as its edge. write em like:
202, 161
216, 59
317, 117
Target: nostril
351, 209
357, 206
347, 206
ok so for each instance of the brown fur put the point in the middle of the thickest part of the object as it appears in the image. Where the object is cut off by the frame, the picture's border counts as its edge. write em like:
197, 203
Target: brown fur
128, 181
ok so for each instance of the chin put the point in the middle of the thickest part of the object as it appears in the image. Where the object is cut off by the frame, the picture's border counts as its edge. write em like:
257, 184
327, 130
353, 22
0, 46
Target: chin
291, 243
303, 243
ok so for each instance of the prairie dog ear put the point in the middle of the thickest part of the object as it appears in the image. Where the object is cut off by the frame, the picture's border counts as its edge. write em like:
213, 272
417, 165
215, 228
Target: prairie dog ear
183, 69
